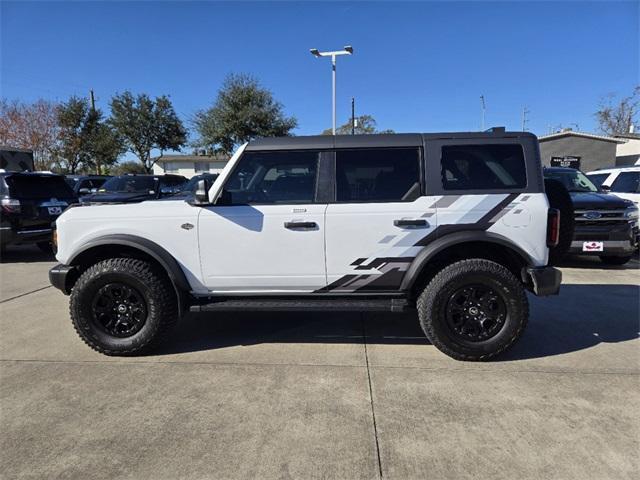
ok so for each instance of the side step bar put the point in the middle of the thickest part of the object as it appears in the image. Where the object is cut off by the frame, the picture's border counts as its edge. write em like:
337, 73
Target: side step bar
299, 305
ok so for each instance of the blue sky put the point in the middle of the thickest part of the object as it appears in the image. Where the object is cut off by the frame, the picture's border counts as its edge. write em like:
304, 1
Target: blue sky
418, 66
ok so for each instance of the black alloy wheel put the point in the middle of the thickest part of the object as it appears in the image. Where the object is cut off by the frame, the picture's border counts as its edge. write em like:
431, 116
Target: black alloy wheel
475, 313
119, 310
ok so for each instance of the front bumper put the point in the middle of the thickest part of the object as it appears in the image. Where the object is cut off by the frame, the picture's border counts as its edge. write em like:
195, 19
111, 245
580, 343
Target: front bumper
619, 240
610, 248
61, 277
544, 281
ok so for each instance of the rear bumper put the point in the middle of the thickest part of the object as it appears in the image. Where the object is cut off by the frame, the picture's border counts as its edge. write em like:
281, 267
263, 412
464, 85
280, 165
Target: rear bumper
60, 277
544, 281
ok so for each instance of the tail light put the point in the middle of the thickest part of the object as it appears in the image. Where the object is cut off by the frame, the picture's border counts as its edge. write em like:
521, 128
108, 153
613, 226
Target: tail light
553, 227
10, 205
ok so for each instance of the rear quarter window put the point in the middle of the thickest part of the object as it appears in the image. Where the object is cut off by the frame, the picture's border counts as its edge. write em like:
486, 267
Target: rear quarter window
483, 167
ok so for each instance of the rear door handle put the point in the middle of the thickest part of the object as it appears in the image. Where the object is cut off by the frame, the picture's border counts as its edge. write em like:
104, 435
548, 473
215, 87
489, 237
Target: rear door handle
410, 223
300, 225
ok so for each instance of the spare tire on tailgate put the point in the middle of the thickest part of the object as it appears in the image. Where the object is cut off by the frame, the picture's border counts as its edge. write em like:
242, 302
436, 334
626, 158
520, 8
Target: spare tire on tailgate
560, 199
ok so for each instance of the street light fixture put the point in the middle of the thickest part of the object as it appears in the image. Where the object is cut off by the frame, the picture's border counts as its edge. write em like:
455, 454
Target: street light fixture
347, 50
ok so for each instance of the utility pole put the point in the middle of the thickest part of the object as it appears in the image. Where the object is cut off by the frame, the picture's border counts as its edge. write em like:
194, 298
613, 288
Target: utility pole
483, 108
353, 116
348, 50
93, 100
525, 111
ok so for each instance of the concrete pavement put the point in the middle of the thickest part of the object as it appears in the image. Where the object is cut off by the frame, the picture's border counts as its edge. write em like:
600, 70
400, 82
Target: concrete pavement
323, 396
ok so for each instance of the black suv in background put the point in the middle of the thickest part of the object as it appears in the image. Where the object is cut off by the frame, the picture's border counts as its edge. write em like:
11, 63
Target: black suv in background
136, 188
86, 184
605, 225
29, 203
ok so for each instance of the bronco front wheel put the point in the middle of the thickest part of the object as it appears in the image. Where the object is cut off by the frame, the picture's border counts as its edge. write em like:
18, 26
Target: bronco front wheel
123, 306
473, 309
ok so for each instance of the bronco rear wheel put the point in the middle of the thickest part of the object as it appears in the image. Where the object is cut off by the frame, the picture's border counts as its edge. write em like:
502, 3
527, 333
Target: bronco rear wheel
123, 306
473, 309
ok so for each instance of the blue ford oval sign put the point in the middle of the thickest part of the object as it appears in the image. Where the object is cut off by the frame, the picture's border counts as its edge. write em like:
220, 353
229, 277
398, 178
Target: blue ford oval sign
592, 215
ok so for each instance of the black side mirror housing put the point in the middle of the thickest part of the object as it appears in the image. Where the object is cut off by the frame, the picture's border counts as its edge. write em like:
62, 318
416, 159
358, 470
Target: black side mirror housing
606, 188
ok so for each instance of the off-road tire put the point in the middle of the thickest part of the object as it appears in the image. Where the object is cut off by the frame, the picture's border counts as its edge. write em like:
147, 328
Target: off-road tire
154, 287
610, 260
432, 304
560, 199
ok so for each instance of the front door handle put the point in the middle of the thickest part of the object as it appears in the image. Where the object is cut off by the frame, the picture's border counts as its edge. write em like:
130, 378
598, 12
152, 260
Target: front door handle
410, 223
300, 225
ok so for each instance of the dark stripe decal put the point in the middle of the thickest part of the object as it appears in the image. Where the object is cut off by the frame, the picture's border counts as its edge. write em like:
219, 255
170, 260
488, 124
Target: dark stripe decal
392, 273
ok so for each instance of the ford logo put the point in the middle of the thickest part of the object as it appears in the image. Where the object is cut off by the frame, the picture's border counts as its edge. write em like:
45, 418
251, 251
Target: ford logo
592, 215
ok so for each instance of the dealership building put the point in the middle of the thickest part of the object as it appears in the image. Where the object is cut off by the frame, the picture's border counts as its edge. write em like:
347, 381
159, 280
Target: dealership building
190, 165
589, 151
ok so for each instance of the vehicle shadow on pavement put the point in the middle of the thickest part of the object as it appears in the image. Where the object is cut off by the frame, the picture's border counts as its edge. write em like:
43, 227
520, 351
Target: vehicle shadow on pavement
581, 317
25, 254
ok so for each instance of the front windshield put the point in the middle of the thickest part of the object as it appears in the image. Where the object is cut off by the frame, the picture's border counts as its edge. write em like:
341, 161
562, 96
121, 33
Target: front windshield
130, 185
574, 181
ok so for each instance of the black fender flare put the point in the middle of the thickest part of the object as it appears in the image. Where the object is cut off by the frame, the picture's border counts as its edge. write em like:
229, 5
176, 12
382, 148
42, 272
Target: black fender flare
432, 249
163, 257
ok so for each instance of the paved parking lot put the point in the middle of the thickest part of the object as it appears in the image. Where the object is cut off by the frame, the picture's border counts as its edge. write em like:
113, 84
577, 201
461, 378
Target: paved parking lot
322, 395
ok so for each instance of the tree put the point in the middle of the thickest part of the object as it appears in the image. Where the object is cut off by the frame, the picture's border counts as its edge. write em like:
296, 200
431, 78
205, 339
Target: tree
128, 166
86, 141
243, 110
145, 124
33, 126
105, 147
617, 117
76, 121
365, 125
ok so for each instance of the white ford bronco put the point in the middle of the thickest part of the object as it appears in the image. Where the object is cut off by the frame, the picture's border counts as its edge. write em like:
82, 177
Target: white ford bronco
454, 225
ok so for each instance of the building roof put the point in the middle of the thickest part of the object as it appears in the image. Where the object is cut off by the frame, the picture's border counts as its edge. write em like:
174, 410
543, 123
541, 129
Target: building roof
572, 133
218, 157
630, 136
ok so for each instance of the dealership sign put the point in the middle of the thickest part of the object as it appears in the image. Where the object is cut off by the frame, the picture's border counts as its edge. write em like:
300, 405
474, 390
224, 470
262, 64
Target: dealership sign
566, 161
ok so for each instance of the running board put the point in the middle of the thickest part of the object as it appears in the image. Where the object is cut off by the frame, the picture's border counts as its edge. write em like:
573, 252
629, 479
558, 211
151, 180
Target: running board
306, 304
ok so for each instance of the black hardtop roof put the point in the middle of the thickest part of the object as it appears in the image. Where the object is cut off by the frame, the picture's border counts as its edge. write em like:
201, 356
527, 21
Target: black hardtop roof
372, 141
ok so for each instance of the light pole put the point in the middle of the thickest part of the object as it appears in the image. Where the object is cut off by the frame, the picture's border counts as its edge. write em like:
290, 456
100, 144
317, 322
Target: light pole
483, 107
348, 50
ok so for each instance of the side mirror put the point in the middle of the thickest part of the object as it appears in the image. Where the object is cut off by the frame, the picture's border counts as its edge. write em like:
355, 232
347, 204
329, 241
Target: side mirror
84, 191
606, 188
201, 195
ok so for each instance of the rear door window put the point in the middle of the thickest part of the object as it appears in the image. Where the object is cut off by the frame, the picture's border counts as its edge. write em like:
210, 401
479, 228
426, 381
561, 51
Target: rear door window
378, 175
483, 167
626, 182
